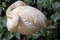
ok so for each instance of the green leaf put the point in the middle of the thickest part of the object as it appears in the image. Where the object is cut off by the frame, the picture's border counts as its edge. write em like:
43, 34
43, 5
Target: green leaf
1, 9
4, 21
1, 29
7, 1
36, 35
43, 32
44, 4
8, 36
0, 12
1, 26
55, 16
17, 35
4, 38
41, 3
28, 1
0, 36
56, 6
4, 4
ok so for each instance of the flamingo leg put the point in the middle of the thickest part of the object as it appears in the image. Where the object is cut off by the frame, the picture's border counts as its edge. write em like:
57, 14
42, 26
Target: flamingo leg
26, 37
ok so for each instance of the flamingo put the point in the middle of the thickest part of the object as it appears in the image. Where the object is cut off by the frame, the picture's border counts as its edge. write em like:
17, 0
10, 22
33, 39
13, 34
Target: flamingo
25, 19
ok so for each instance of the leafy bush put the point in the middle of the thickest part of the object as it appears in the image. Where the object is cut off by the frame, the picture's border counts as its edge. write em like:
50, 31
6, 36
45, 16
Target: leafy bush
51, 8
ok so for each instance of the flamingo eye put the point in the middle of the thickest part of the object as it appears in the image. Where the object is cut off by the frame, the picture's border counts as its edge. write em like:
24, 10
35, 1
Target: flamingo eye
13, 8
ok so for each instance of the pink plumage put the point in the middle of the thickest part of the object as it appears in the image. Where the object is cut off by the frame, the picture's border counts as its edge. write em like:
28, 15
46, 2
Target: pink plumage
25, 19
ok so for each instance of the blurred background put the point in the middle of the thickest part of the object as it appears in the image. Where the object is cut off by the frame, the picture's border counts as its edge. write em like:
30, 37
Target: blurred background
50, 8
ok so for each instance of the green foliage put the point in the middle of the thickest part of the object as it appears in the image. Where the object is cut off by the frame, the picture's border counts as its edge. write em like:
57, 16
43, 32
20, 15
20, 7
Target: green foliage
50, 8
56, 6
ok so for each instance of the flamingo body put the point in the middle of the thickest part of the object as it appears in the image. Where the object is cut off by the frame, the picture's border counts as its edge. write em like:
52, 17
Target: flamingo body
26, 20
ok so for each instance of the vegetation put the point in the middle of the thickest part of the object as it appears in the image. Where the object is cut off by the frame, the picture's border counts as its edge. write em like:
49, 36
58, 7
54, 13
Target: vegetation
51, 8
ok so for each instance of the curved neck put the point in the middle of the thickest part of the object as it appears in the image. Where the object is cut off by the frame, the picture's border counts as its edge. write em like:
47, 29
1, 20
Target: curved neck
15, 5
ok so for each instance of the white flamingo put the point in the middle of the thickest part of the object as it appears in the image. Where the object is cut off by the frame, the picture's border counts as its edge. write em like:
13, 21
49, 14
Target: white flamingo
25, 19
